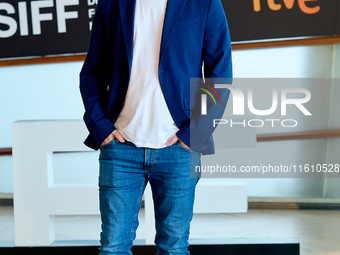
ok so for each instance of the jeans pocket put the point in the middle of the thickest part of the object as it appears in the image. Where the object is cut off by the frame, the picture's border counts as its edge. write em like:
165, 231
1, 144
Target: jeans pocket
114, 140
182, 146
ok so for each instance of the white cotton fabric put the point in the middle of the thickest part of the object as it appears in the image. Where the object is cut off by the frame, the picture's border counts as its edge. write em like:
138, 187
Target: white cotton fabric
145, 119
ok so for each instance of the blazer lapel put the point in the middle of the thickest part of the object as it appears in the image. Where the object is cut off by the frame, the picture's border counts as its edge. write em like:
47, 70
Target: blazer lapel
173, 10
127, 14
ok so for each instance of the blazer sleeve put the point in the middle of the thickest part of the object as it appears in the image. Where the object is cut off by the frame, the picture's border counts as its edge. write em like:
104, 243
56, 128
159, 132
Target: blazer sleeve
94, 81
217, 59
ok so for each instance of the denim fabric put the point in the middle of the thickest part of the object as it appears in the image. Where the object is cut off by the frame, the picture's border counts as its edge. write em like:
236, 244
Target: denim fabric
124, 173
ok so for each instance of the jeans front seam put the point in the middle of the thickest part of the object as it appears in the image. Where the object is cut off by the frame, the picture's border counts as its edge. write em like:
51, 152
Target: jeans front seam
136, 211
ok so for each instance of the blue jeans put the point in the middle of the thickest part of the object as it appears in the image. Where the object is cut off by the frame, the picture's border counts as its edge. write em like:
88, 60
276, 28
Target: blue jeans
124, 173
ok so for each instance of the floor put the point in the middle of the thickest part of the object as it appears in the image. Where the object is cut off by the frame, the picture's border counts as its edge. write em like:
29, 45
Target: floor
317, 230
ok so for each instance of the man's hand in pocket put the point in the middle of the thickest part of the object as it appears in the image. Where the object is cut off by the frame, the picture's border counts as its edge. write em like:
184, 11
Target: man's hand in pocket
113, 135
174, 139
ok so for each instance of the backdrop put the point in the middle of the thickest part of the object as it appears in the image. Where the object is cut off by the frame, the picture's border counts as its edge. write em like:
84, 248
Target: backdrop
54, 27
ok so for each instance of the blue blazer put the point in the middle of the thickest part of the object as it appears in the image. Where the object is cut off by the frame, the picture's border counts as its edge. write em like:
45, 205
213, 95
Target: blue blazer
194, 32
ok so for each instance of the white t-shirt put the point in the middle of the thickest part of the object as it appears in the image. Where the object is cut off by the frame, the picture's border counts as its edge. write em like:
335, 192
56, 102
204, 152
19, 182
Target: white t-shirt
145, 119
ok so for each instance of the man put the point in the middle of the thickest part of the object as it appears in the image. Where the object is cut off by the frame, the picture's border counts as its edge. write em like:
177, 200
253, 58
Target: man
135, 85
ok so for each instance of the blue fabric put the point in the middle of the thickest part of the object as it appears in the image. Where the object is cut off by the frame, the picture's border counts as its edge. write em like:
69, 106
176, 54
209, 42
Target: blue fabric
194, 32
124, 173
